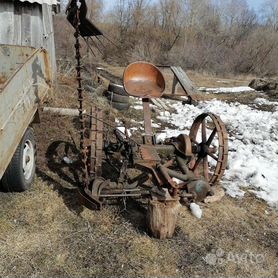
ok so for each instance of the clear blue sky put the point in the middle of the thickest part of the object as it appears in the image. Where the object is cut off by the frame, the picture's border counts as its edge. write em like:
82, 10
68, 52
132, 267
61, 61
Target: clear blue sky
256, 4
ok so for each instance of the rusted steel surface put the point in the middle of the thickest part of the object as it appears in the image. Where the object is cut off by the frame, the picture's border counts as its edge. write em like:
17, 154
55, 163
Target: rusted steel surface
96, 142
203, 147
179, 168
183, 145
147, 121
83, 151
28, 79
143, 80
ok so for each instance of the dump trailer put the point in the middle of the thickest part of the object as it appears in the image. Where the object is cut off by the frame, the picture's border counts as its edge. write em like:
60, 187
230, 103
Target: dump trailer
25, 80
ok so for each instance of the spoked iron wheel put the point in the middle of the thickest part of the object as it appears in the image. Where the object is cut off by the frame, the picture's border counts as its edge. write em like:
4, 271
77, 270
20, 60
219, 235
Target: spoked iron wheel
210, 147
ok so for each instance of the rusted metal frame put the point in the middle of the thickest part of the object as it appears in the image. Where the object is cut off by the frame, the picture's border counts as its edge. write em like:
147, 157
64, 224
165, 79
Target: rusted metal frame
140, 179
175, 174
166, 175
217, 174
96, 143
83, 153
182, 165
109, 125
201, 121
101, 189
183, 145
204, 141
124, 192
99, 143
23, 100
222, 148
92, 138
168, 163
155, 177
124, 195
163, 148
148, 137
149, 154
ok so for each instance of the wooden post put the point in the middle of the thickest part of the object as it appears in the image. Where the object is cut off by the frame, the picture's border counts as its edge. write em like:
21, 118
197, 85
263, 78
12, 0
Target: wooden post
162, 218
175, 82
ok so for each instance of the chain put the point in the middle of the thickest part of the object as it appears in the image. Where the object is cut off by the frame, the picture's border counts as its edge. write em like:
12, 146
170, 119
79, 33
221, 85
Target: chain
77, 46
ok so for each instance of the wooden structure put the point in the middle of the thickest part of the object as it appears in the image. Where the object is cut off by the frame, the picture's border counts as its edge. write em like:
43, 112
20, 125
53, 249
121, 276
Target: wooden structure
29, 23
162, 218
181, 77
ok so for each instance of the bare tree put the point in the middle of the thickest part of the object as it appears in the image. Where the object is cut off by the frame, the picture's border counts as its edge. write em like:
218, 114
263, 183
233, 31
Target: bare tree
270, 13
212, 35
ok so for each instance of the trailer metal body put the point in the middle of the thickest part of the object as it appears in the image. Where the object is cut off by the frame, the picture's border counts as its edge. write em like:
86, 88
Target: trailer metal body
25, 79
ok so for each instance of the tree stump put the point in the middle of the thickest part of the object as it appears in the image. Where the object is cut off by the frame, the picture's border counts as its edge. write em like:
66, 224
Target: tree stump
162, 218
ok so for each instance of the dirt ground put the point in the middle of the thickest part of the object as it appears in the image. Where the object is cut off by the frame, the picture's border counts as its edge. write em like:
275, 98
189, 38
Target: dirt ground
46, 232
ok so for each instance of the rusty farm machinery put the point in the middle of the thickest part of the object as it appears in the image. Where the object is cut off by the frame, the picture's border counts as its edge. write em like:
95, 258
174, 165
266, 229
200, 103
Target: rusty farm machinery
181, 169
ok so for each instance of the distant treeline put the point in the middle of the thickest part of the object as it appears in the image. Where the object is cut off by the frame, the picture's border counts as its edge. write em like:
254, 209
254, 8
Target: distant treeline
220, 37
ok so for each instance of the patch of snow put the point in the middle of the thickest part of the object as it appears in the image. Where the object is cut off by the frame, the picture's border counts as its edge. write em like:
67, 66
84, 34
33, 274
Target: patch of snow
222, 81
155, 125
160, 137
178, 181
227, 90
117, 121
263, 101
164, 115
253, 145
166, 133
137, 107
196, 210
122, 130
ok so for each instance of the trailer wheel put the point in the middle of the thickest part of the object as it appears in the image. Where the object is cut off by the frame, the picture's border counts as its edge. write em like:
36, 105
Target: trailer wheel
121, 106
117, 97
117, 88
20, 173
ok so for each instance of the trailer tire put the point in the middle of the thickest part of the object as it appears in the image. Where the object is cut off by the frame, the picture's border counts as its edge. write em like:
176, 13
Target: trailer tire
118, 89
121, 106
114, 97
20, 173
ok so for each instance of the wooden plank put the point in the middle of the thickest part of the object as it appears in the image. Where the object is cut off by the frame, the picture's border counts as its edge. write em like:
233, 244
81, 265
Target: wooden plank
175, 97
175, 82
184, 81
156, 103
159, 103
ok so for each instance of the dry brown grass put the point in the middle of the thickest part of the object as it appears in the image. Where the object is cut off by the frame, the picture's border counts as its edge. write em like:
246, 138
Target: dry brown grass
45, 232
